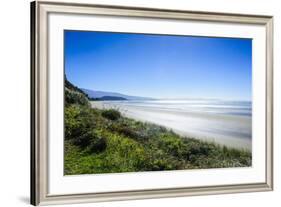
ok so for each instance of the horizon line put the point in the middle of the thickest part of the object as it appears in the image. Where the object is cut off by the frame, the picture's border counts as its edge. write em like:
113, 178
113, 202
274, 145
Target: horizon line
170, 98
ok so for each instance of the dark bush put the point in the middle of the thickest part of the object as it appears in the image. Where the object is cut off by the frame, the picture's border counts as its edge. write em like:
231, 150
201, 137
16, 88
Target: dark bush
172, 144
196, 149
200, 149
98, 144
84, 139
78, 121
159, 160
128, 132
92, 141
75, 97
111, 114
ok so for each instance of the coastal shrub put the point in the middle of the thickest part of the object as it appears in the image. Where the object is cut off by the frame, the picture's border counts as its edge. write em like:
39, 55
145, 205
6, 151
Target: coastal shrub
160, 160
197, 148
111, 114
129, 131
97, 144
172, 144
123, 154
231, 152
84, 139
74, 97
91, 141
71, 123
78, 121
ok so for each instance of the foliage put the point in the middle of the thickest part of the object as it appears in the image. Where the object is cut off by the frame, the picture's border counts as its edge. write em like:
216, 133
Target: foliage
74, 97
111, 114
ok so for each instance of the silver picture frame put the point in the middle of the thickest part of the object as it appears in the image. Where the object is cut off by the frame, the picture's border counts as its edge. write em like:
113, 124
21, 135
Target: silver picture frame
39, 100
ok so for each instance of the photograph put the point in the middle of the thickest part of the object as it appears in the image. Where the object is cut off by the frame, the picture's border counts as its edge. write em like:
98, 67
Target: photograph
131, 103
136, 102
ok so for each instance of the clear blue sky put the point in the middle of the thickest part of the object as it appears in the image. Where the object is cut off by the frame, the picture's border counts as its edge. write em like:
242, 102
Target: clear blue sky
160, 66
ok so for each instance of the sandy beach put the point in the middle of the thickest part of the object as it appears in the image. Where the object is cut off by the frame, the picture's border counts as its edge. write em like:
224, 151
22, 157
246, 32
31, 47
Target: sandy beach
223, 123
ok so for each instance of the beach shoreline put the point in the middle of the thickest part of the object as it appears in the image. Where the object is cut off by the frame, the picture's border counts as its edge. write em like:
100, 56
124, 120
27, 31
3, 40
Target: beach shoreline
224, 129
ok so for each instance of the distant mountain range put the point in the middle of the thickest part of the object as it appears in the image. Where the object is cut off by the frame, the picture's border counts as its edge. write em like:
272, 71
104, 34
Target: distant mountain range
103, 95
108, 98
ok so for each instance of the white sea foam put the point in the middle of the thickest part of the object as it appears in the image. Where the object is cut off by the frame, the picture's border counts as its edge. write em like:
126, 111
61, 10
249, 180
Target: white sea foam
225, 122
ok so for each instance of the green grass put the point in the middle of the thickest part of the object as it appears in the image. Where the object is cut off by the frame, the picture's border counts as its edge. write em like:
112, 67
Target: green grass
103, 141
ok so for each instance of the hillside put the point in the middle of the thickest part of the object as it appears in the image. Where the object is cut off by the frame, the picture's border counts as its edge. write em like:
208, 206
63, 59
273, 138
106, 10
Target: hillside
109, 98
103, 141
99, 94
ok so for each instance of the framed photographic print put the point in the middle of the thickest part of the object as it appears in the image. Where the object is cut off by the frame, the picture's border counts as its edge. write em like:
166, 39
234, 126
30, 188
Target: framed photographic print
134, 103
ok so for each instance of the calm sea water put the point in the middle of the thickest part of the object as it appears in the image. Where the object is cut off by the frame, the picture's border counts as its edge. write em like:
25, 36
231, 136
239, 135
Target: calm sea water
224, 122
241, 108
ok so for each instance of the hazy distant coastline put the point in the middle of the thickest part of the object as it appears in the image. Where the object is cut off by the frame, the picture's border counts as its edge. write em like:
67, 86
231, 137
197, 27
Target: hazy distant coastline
226, 123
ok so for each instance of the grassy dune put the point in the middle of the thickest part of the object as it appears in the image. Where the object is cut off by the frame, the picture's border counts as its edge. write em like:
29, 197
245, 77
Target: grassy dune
103, 141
